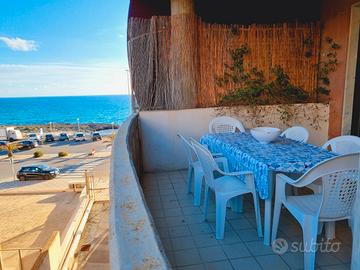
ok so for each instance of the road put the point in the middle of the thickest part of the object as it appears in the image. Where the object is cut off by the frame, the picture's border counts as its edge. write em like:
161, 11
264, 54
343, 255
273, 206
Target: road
72, 166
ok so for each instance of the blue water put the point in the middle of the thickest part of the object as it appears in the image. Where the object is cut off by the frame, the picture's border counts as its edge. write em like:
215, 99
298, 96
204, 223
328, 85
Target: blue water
42, 110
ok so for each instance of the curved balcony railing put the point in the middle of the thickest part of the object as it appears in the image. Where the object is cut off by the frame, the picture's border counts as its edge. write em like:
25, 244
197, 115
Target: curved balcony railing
134, 243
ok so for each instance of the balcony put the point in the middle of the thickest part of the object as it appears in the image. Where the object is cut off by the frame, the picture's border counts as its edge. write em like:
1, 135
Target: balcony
190, 243
154, 224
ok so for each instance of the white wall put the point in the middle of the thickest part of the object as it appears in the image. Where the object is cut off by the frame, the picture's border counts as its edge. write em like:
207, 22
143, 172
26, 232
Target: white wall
162, 150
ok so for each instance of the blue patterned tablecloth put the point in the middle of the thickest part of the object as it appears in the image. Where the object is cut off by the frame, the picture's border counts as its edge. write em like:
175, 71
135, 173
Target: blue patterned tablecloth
282, 155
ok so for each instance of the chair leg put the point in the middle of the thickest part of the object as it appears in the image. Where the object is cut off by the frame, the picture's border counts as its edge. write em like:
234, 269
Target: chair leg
330, 230
206, 201
220, 217
197, 187
310, 229
320, 227
350, 223
276, 218
226, 167
257, 214
189, 179
237, 204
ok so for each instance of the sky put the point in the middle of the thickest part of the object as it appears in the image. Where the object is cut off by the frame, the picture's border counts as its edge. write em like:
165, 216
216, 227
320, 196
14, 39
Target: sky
63, 47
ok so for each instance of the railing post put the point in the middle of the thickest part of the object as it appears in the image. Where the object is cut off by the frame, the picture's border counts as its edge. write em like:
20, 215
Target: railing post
87, 184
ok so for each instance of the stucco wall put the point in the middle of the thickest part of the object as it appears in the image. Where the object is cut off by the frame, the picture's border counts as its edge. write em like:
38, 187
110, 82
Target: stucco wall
162, 150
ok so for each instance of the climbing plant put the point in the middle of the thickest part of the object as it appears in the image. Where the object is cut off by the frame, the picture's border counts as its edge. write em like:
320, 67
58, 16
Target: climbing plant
252, 89
326, 66
251, 86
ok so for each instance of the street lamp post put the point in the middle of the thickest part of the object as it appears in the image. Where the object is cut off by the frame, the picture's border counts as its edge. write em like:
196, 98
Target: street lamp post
11, 160
78, 123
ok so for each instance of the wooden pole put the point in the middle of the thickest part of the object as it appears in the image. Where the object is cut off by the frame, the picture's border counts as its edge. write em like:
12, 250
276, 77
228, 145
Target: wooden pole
355, 259
183, 55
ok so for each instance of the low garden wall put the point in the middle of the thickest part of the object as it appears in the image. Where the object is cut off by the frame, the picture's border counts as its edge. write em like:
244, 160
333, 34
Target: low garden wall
134, 243
162, 151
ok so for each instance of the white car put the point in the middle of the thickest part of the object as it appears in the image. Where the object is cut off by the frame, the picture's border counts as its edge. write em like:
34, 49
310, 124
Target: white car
34, 137
79, 137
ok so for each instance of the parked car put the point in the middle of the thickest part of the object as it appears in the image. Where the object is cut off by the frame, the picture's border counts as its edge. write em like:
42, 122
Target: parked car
40, 171
80, 137
63, 137
28, 144
49, 138
96, 136
34, 137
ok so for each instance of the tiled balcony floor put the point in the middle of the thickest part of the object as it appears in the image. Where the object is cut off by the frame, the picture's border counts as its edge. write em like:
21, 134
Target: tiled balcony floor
190, 242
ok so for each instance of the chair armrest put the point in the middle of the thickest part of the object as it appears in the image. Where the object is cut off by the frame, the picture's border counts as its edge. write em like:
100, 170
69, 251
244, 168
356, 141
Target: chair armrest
248, 178
222, 160
280, 188
235, 173
284, 178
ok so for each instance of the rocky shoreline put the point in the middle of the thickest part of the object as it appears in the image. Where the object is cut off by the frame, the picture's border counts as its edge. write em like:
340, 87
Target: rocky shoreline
64, 127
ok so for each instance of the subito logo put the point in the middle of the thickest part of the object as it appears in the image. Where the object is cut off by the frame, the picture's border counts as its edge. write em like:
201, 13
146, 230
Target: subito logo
280, 246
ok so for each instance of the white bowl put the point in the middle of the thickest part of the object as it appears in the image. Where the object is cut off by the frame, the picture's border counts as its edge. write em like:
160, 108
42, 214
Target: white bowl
265, 134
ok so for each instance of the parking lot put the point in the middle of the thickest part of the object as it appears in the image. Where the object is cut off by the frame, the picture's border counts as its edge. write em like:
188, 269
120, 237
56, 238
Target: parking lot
78, 160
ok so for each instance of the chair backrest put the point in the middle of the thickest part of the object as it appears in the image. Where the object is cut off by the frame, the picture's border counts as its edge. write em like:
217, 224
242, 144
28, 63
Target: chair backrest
340, 178
296, 133
207, 162
343, 145
224, 124
190, 151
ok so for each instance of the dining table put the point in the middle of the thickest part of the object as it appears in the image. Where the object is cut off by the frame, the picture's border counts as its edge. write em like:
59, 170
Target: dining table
283, 155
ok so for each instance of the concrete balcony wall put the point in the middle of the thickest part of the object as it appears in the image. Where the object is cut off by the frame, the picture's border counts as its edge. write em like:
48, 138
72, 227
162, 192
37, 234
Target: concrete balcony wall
134, 243
162, 150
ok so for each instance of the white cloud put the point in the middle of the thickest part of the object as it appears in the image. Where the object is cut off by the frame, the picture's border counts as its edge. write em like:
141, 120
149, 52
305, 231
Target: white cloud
18, 44
58, 79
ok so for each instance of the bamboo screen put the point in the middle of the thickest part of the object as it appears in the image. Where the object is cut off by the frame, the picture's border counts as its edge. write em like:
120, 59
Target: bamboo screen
148, 50
270, 45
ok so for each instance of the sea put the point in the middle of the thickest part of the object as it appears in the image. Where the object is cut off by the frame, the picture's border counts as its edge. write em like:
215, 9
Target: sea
64, 109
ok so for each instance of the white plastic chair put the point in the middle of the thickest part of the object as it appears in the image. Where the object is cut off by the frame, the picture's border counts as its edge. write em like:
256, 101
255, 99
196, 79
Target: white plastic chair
224, 124
195, 170
296, 133
226, 187
340, 177
341, 145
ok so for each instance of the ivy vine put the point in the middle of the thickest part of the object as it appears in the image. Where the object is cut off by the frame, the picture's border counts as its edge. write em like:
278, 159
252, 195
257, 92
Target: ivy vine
327, 66
251, 86
252, 89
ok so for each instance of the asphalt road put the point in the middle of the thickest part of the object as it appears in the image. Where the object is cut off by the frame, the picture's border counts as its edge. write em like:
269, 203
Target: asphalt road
68, 146
72, 166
